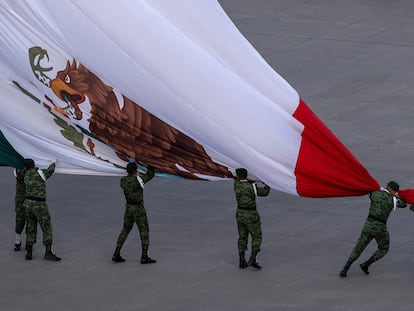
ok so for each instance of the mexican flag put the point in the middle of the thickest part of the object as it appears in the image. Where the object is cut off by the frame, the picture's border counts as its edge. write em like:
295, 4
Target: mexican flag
171, 84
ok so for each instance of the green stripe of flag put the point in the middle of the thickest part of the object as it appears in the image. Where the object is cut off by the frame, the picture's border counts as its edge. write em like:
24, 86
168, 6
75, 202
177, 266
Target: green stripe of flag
9, 156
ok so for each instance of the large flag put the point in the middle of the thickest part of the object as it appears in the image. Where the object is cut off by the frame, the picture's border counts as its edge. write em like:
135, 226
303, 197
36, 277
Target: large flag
171, 84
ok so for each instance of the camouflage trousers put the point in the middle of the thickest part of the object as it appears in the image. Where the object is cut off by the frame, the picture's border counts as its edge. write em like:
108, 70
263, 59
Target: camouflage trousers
134, 214
20, 215
37, 212
248, 222
372, 229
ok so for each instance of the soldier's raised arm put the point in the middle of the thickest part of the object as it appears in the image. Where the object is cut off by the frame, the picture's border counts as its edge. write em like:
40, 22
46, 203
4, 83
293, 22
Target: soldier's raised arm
50, 170
262, 189
149, 175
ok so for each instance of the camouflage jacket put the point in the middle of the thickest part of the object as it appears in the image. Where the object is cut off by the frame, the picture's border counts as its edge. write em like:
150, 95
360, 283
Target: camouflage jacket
382, 204
245, 193
35, 185
20, 186
132, 189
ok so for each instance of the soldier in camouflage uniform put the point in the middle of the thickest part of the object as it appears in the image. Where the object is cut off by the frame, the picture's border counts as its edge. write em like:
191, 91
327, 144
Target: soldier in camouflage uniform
36, 208
133, 186
20, 212
375, 227
247, 216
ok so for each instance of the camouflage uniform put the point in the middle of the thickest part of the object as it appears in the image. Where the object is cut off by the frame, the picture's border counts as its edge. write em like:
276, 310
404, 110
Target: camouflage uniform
375, 226
35, 205
19, 199
247, 217
135, 211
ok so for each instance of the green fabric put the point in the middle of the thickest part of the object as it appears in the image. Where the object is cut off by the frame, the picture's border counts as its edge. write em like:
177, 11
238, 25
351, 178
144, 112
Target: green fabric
9, 156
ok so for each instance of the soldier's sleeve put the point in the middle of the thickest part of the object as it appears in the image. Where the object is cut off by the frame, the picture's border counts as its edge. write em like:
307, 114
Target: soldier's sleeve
262, 189
149, 175
20, 172
236, 191
401, 203
49, 171
374, 195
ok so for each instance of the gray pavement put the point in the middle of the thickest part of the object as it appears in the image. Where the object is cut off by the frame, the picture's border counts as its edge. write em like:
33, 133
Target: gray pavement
352, 62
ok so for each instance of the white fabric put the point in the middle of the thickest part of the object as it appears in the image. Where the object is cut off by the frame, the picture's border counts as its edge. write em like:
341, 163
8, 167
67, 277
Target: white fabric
41, 174
141, 182
254, 189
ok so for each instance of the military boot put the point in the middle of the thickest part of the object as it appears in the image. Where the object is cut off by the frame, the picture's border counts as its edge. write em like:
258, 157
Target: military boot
117, 255
364, 266
345, 268
29, 252
49, 255
252, 260
242, 261
145, 259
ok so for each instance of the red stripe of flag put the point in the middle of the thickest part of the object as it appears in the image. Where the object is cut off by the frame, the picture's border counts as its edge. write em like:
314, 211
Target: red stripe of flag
325, 167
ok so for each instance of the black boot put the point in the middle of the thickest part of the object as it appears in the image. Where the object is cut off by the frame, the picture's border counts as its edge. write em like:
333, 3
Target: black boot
29, 252
242, 262
117, 255
17, 246
49, 255
145, 258
364, 266
252, 260
345, 268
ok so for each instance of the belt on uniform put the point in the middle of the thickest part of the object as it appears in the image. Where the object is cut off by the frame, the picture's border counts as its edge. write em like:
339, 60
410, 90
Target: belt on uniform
134, 202
377, 219
246, 208
35, 199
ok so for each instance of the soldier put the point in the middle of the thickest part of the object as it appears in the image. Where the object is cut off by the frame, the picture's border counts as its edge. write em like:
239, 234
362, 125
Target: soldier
248, 218
375, 227
19, 209
133, 186
36, 208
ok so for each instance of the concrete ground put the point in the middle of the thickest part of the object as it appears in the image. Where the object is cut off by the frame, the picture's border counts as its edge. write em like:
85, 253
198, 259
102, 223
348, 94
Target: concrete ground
352, 62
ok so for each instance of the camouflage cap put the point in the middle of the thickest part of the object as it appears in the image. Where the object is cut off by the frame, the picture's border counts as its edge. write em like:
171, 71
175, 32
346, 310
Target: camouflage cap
131, 167
28, 163
393, 185
241, 171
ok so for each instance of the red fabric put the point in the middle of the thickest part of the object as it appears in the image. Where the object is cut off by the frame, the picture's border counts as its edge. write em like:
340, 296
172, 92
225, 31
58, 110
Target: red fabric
325, 167
407, 195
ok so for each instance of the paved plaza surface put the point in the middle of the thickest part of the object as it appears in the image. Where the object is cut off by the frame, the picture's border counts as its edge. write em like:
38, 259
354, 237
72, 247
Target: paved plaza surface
353, 63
